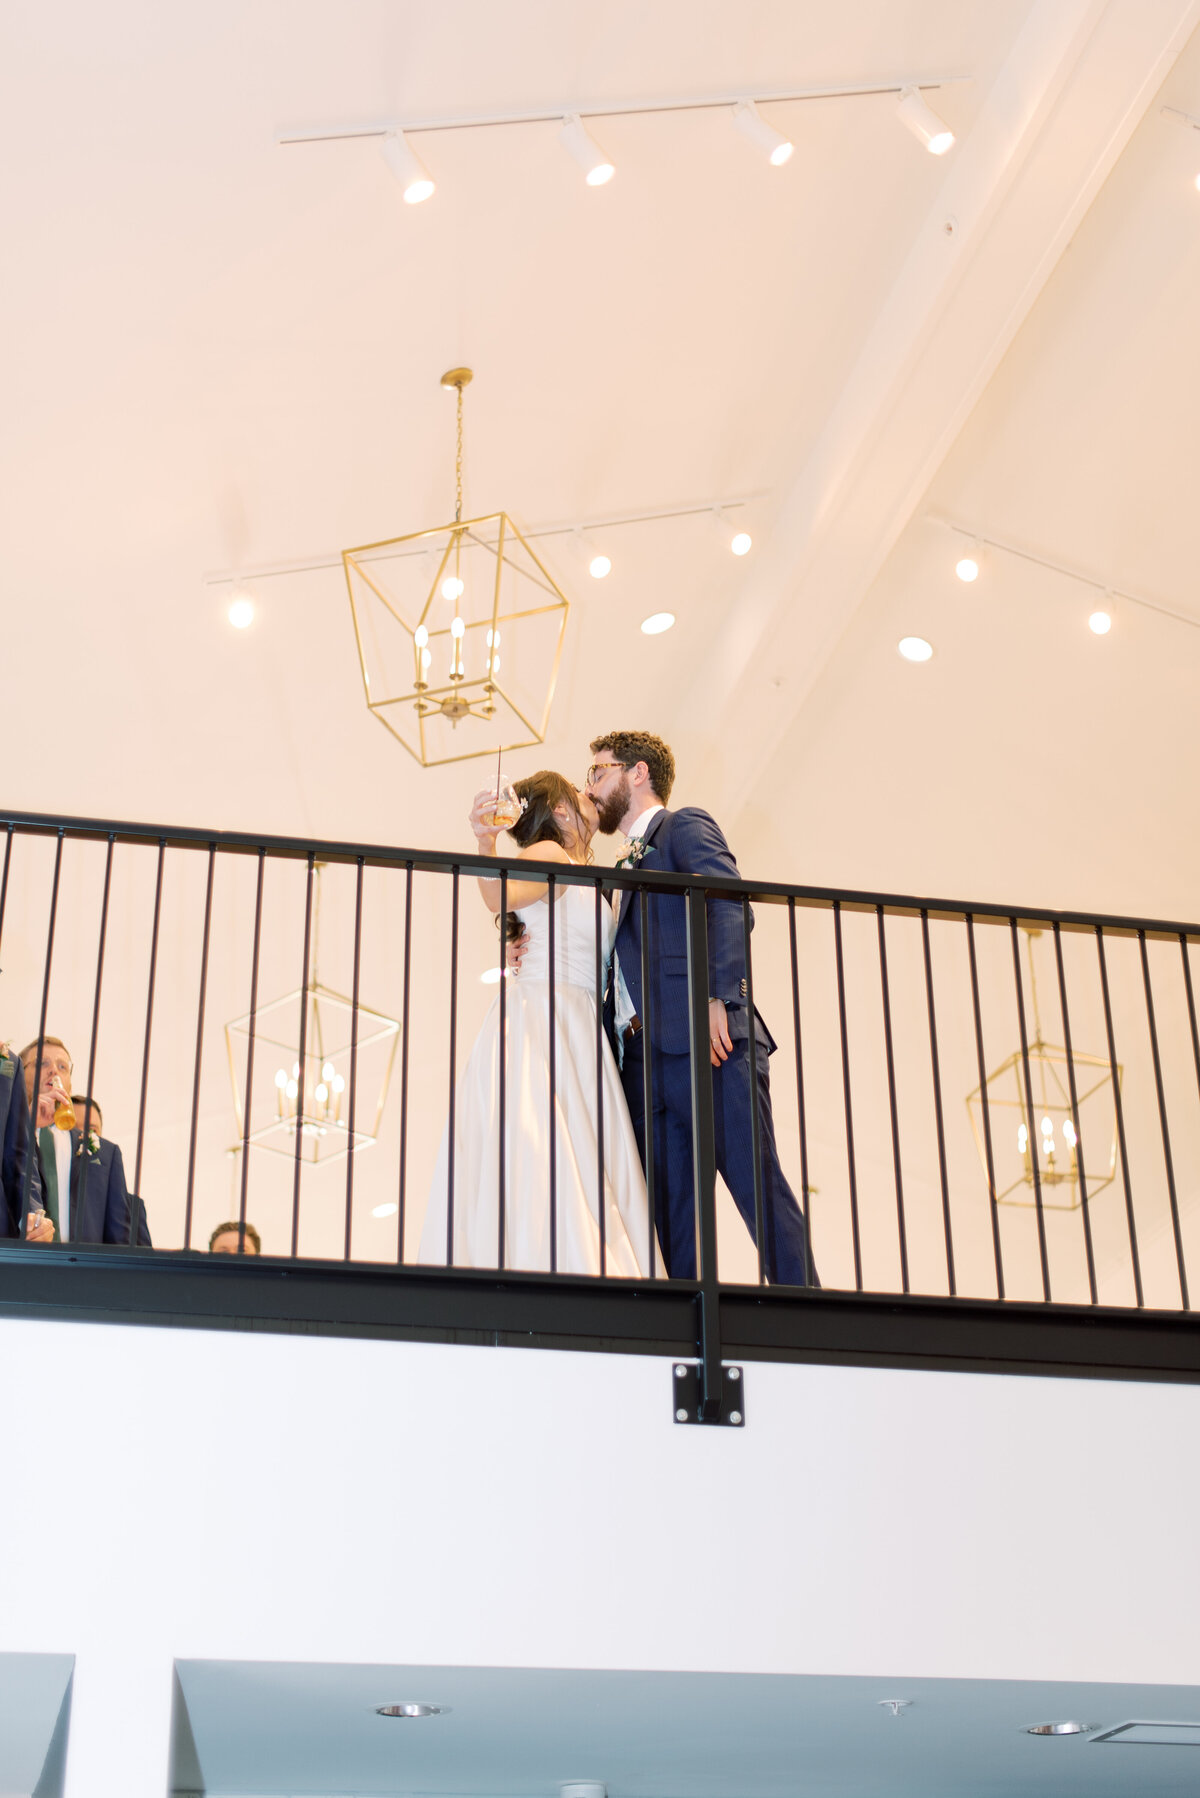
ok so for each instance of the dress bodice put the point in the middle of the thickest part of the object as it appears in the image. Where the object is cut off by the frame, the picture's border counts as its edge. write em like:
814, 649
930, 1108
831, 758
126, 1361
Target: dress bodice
574, 938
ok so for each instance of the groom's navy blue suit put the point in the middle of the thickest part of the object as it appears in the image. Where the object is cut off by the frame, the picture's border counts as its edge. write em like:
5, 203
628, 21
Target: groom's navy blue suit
689, 841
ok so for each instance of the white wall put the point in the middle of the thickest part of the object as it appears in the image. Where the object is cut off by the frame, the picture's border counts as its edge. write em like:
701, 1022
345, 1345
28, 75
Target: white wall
220, 1495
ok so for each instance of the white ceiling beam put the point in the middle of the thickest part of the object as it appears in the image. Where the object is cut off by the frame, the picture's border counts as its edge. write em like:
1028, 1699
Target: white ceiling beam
1079, 78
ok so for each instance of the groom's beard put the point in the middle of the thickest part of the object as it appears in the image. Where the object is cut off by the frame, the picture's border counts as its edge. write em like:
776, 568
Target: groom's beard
610, 811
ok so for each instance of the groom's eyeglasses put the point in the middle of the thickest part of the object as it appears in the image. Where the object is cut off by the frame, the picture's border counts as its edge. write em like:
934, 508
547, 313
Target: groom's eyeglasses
598, 770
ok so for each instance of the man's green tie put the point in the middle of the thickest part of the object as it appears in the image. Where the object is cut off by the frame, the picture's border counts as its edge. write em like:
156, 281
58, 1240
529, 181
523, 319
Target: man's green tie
50, 1178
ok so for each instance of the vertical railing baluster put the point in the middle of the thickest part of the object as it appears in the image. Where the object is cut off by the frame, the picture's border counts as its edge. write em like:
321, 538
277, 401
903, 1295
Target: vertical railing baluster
704, 1156
892, 1107
41, 1038
984, 1107
454, 885
601, 1207
552, 903
404, 1016
1038, 1206
841, 986
8, 842
803, 1128
760, 1234
502, 1170
939, 1120
643, 900
191, 1179
89, 1089
258, 898
1074, 1096
1162, 1118
299, 1154
1191, 1005
141, 1134
1131, 1223
350, 1122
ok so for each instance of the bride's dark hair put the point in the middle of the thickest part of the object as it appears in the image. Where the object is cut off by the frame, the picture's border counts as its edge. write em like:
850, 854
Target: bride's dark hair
537, 824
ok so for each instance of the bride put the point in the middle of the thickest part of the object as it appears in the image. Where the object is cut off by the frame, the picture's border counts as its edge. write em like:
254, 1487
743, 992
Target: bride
556, 824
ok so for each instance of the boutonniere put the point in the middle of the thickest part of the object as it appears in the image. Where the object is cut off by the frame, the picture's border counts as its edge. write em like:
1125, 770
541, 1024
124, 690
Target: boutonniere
634, 852
92, 1139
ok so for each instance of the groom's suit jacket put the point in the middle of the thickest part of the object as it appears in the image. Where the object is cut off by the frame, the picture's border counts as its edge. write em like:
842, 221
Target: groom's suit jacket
14, 1147
103, 1215
688, 841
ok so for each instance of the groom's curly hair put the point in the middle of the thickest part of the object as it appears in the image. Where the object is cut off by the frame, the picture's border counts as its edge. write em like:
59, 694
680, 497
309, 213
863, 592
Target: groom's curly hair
632, 746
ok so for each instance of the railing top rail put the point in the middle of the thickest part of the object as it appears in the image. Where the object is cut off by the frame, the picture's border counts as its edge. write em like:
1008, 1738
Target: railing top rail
435, 860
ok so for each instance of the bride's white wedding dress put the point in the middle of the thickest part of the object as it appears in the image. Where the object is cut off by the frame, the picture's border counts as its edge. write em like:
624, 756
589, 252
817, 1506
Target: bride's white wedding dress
527, 1202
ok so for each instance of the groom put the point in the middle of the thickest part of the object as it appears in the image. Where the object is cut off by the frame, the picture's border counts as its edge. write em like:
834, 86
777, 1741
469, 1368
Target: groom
629, 783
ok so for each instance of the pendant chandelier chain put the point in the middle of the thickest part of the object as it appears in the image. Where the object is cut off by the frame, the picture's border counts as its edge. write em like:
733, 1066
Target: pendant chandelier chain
458, 461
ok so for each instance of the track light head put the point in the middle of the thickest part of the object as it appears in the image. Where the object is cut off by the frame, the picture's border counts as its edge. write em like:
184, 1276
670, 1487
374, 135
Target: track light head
576, 138
923, 122
738, 541
968, 564
414, 178
774, 146
597, 563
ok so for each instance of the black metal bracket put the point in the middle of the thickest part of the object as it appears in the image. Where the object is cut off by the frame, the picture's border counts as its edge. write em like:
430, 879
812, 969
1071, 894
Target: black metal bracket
687, 1399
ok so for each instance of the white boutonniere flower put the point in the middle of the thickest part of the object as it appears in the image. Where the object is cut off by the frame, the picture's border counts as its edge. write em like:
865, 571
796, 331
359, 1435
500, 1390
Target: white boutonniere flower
634, 852
92, 1141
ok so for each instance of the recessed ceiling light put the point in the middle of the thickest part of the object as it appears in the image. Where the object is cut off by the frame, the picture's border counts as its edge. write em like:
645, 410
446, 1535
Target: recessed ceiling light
658, 621
491, 976
1060, 1729
389, 1210
915, 649
1101, 623
411, 1710
241, 611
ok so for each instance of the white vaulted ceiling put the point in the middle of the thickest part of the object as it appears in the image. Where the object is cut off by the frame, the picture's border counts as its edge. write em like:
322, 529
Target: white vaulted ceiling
222, 354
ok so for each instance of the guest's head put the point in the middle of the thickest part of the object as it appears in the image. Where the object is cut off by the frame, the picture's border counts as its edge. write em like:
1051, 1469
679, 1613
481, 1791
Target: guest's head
555, 812
55, 1078
88, 1115
631, 770
227, 1239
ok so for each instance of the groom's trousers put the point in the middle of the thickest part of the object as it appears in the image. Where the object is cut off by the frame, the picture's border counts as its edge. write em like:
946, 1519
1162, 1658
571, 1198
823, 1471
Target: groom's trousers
734, 1089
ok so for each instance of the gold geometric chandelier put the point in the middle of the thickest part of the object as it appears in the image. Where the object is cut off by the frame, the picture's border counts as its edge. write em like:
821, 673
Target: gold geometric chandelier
1048, 1138
459, 625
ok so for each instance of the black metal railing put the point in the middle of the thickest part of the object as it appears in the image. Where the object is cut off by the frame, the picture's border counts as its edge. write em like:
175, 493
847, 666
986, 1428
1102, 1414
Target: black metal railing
916, 1109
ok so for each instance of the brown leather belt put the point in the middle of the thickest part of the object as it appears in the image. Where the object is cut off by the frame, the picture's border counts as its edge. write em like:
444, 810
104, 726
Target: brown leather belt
632, 1029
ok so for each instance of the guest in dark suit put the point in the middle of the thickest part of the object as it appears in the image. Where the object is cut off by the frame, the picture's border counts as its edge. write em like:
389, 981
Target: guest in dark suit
14, 1158
630, 782
87, 1168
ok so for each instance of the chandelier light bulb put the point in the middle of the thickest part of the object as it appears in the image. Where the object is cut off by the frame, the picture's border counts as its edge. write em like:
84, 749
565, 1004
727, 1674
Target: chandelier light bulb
457, 627
1100, 623
414, 178
241, 609
280, 1077
774, 146
578, 140
420, 636
452, 587
924, 123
